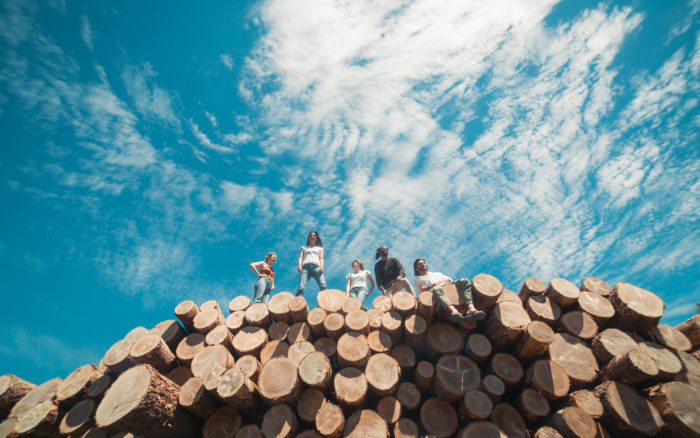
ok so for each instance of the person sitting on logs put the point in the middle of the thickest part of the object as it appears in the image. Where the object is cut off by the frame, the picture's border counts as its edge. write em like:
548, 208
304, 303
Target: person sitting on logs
311, 263
434, 281
390, 274
266, 278
357, 282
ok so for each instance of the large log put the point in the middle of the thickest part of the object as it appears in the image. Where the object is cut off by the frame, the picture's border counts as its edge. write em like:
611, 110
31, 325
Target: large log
573, 422
611, 343
279, 421
238, 390
454, 375
668, 363
532, 405
279, 307
220, 335
29, 416
330, 420
326, 346
210, 357
549, 379
406, 358
298, 308
575, 358
689, 362
350, 304
235, 321
136, 334
375, 319
297, 352
632, 367
404, 303
350, 387
212, 379
273, 349
141, 400
185, 312
379, 341
691, 329
597, 306
595, 285
493, 386
330, 300
153, 350
239, 303
670, 337
382, 373
414, 329
357, 321
279, 381
531, 286
477, 405
226, 423
382, 303
207, 319
298, 332
78, 419
409, 396
278, 331
507, 368
389, 408
486, 289
309, 403
562, 292
477, 347
586, 400
75, 387
195, 398
118, 359
443, 338
258, 315
352, 350
635, 308
626, 411
171, 331
334, 325
315, 370
506, 323
210, 304
315, 320
579, 324
365, 424
12, 389
508, 419
438, 418
189, 347
534, 342
249, 365
41, 420
541, 308
483, 429
679, 406
249, 340
426, 305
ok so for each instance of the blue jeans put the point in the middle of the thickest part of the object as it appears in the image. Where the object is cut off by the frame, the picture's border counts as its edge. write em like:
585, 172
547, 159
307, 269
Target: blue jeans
263, 287
359, 292
313, 271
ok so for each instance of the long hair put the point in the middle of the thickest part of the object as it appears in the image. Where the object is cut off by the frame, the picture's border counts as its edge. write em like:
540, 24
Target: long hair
319, 242
415, 267
382, 250
359, 263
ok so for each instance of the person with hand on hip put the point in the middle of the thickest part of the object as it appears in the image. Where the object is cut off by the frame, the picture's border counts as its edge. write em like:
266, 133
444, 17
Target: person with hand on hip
311, 263
266, 278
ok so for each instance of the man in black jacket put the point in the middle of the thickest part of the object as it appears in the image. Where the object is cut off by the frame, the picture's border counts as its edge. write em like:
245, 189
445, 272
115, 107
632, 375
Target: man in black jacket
390, 274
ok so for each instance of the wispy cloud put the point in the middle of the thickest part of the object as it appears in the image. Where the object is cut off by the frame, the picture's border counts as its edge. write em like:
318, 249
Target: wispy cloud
204, 140
227, 61
86, 31
149, 99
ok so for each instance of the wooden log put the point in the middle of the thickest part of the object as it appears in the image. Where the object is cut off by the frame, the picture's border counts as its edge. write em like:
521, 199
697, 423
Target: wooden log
382, 303
547, 432
309, 403
389, 408
379, 341
278, 331
12, 389
185, 312
171, 331
534, 342
679, 406
375, 319
423, 375
239, 303
308, 433
406, 428
509, 295
438, 418
357, 321
297, 352
482, 429
691, 329
188, 347
273, 349
235, 321
382, 373
575, 358
414, 329
442, 338
350, 387
668, 363
330, 420
238, 391
279, 307
486, 289
562, 292
141, 400
365, 424
315, 370
477, 405
508, 419
573, 422
118, 358
626, 411
670, 337
531, 286
326, 346
40, 420
220, 335
298, 309
208, 358
689, 378
226, 423
298, 332
350, 304
597, 306
39, 394
210, 304
78, 419
212, 379
493, 386
635, 308
403, 303
596, 286
505, 324
315, 320
97, 389
153, 350
541, 308
406, 358
579, 324
632, 367
179, 376
330, 300
507, 368
689, 362
611, 343
477, 347
195, 398
586, 400
549, 379
136, 334
454, 375
409, 396
532, 405
75, 387
258, 315
249, 340
426, 305
6, 427
391, 325
279, 381
352, 350
249, 365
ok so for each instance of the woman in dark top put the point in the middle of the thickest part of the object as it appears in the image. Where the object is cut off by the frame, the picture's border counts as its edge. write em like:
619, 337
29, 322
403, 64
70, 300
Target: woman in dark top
266, 278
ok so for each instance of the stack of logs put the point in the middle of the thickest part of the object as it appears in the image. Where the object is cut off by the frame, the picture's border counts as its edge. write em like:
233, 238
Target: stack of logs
552, 360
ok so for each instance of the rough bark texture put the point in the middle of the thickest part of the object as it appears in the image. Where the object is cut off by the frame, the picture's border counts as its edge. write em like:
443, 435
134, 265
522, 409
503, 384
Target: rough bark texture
153, 350
195, 398
185, 312
12, 389
506, 323
238, 390
534, 342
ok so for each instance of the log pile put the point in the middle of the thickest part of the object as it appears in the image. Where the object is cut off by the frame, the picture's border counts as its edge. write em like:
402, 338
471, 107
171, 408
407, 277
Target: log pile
553, 360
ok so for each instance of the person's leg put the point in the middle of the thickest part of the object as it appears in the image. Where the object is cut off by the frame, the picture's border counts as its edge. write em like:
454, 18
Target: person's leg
362, 294
441, 296
268, 290
303, 279
464, 288
405, 284
319, 277
259, 289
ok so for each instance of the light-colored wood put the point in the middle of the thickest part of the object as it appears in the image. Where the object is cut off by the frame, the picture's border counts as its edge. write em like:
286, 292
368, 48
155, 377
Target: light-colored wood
315, 320
375, 319
279, 307
278, 331
477, 405
330, 420
171, 331
297, 352
298, 332
423, 375
118, 359
334, 325
365, 423
507, 368
189, 347
226, 423
611, 343
207, 319
438, 418
136, 334
208, 358
586, 400
279, 381
97, 389
249, 340
509, 295
379, 341
273, 349
239, 303
668, 363
258, 315
573, 422
389, 408
426, 305
506, 323
352, 350
454, 375
670, 337
350, 304
78, 419
279, 421
249, 365
350, 387
562, 292
409, 396
689, 362
691, 329
575, 358
40, 420
549, 379
597, 306
212, 379
532, 405
153, 350
382, 303
210, 304
382, 373
195, 398
541, 308
534, 342
493, 386
509, 420
357, 321
626, 411
298, 308
486, 290
237, 390
391, 325
403, 303
414, 329
315, 370
330, 300
579, 324
531, 286
235, 321
309, 403
12, 389
75, 387
632, 367
443, 338
185, 312
220, 335
596, 286
635, 308
679, 406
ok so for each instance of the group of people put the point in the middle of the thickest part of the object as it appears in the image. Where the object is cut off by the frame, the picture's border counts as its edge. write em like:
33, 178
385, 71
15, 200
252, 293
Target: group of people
388, 271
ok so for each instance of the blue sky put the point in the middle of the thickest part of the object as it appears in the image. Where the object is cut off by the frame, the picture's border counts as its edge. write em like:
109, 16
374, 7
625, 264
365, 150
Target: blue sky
151, 150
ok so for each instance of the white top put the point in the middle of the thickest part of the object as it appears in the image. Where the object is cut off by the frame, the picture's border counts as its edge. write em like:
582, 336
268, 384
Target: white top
358, 279
312, 255
429, 279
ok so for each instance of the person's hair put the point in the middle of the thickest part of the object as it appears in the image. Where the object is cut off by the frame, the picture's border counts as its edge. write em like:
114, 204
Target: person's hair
415, 267
382, 250
269, 254
319, 242
362, 267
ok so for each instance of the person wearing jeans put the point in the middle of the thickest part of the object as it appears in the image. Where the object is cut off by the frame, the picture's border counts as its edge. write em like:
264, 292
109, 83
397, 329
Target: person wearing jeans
357, 282
266, 278
311, 263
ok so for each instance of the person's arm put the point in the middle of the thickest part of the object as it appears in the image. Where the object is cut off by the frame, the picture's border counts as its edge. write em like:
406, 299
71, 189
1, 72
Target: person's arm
402, 271
254, 267
301, 255
371, 282
320, 258
347, 287
380, 278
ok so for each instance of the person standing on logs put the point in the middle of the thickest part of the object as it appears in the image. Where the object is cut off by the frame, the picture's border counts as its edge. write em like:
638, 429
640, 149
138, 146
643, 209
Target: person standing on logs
390, 274
266, 278
311, 263
357, 282
434, 281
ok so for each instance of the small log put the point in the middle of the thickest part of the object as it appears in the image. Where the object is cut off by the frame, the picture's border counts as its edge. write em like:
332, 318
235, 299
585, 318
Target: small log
406, 428
587, 401
477, 347
315, 370
689, 378
78, 419
487, 289
426, 305
382, 373
573, 422
330, 420
409, 396
505, 324
548, 432
298, 332
297, 352
357, 321
352, 350
39, 420
579, 324
249, 340
273, 349
237, 390
334, 325
326, 346
330, 300
414, 329
575, 358
493, 386
534, 342
350, 387
212, 378
597, 306
670, 337
315, 320
679, 406
350, 304
541, 308
195, 398
423, 375
632, 367
531, 286
365, 424
562, 292
454, 375
508, 419
250, 366
438, 418
117, 359
611, 343
189, 347
309, 403
210, 304
442, 338
235, 321
507, 368
668, 363
298, 308
226, 422
532, 405
482, 429
596, 286
278, 331
12, 389
141, 400
382, 303
171, 331
258, 315
136, 334
185, 312
389, 408
403, 303
635, 308
239, 303
375, 319
279, 381
153, 350
220, 335
97, 389
75, 387
689, 362
406, 358
208, 358
379, 342
279, 307
626, 411
179, 376
691, 329
477, 405
549, 379
279, 421
391, 325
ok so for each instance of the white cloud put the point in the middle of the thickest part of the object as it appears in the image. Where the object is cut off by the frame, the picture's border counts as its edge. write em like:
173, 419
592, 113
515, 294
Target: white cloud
212, 118
227, 60
204, 140
149, 99
86, 31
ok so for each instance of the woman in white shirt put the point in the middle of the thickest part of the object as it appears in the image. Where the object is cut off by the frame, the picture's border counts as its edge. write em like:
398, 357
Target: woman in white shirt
311, 263
357, 282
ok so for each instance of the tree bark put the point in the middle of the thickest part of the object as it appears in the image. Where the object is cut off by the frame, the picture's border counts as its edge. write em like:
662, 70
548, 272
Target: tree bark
12, 389
195, 398
505, 324
633, 367
534, 342
531, 286
237, 390
153, 350
185, 312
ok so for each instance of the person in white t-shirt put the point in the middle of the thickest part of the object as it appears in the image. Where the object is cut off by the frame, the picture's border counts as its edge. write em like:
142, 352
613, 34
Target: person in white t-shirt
357, 282
434, 281
311, 263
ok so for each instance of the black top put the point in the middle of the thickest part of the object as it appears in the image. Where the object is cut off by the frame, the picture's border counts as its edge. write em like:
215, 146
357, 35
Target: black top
386, 271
